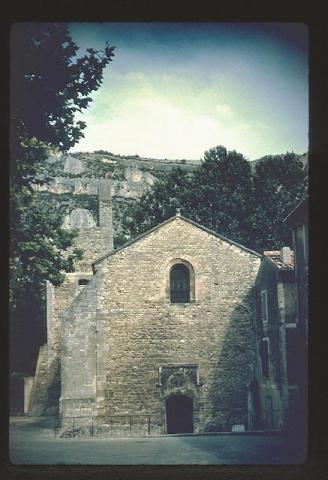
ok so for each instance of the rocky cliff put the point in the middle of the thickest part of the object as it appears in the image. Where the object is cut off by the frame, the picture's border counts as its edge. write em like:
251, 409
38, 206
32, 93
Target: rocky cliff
76, 176
75, 179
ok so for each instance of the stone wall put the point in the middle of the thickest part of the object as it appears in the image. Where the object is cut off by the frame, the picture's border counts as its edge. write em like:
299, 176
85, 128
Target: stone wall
78, 353
46, 385
141, 335
94, 241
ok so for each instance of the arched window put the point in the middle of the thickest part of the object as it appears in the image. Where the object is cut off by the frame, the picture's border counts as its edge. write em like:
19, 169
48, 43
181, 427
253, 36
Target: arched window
179, 284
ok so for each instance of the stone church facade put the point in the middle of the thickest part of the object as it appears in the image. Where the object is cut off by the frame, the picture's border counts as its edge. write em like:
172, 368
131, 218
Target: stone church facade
157, 336
128, 349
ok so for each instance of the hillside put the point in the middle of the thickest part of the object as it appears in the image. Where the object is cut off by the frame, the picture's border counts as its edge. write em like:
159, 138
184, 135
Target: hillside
75, 178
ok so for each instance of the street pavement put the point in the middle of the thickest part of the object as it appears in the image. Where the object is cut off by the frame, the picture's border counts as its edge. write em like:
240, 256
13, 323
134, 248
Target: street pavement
32, 442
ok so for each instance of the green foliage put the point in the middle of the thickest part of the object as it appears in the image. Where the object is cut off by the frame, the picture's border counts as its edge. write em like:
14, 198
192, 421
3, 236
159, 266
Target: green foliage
49, 84
35, 256
66, 202
280, 183
104, 152
222, 194
97, 168
36, 246
154, 206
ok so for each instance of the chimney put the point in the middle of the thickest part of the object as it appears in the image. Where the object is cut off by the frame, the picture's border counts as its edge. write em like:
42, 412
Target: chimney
105, 211
286, 255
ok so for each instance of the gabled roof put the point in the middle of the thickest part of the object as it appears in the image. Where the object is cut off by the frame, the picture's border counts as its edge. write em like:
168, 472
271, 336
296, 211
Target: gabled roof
171, 219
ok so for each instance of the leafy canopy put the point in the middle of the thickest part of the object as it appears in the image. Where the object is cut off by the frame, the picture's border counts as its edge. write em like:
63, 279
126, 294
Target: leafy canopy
225, 195
50, 83
280, 183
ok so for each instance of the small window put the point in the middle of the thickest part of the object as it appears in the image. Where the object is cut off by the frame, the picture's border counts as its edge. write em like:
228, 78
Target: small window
264, 306
82, 282
180, 284
265, 357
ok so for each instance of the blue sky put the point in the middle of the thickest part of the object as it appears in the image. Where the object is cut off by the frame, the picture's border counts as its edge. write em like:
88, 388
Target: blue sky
175, 90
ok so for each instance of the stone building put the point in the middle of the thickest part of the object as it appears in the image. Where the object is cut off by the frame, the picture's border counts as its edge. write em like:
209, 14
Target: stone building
276, 384
156, 336
163, 331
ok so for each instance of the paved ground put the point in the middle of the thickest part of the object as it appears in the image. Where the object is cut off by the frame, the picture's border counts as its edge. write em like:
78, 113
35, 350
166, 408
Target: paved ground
32, 442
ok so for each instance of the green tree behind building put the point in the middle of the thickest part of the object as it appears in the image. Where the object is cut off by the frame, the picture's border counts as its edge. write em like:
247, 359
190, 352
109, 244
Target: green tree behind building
226, 196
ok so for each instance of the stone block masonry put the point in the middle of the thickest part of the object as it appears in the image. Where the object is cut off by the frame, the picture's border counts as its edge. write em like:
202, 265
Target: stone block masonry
94, 242
78, 340
122, 334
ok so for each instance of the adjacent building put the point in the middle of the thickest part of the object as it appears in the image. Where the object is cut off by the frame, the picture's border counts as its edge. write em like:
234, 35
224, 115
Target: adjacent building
298, 222
277, 373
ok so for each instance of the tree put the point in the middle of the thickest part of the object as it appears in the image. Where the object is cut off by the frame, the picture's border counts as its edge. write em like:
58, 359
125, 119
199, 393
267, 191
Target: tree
49, 85
154, 206
280, 183
224, 183
224, 195
217, 194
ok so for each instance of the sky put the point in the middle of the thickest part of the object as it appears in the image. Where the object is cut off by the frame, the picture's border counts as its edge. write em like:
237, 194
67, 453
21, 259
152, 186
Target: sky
175, 90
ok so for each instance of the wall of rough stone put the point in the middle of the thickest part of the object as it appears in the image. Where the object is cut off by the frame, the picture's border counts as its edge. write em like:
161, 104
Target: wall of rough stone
94, 241
46, 385
78, 353
139, 330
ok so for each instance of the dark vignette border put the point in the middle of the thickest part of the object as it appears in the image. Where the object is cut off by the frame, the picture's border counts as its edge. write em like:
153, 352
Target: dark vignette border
313, 16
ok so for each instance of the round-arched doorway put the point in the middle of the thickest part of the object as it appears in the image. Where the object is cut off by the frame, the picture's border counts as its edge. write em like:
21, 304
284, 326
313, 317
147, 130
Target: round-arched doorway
179, 414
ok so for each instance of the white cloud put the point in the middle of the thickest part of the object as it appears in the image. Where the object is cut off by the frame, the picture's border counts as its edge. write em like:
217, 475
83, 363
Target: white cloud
224, 111
165, 116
